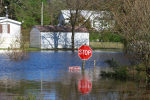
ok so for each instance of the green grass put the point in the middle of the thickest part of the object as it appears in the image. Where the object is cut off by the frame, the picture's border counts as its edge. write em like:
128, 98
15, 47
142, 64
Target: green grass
106, 45
33, 49
94, 45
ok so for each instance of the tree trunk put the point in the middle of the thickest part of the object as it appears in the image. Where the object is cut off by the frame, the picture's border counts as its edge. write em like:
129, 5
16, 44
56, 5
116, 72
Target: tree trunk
125, 44
73, 32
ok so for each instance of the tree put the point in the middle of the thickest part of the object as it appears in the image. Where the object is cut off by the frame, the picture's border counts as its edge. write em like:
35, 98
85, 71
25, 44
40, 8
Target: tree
53, 8
75, 7
132, 16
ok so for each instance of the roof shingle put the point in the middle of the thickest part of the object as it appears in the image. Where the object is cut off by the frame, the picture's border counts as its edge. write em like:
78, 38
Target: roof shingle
51, 28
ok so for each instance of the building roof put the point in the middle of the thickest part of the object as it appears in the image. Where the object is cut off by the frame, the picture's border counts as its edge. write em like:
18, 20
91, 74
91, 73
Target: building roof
87, 14
1, 18
51, 28
9, 20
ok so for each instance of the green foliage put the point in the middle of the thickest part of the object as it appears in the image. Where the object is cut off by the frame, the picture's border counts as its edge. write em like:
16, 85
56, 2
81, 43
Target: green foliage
137, 72
112, 63
122, 72
119, 72
141, 72
94, 36
29, 11
29, 96
110, 37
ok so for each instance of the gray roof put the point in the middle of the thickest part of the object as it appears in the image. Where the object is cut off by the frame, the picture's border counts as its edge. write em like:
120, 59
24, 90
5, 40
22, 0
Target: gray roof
9, 20
1, 18
51, 28
87, 14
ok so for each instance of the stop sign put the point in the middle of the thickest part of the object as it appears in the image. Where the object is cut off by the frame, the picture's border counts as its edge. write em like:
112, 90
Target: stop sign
84, 86
85, 52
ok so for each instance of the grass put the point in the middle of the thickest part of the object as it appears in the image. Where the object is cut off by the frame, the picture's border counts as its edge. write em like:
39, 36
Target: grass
33, 49
94, 45
106, 45
27, 49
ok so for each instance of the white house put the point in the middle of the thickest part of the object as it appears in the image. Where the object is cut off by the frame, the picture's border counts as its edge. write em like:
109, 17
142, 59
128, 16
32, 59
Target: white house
50, 37
10, 32
97, 19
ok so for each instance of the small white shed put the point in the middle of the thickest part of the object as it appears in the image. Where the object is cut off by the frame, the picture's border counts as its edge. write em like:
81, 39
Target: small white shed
10, 32
50, 37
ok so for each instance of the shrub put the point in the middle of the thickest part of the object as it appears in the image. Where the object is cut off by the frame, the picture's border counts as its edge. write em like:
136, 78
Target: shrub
119, 72
108, 36
16, 53
137, 72
122, 73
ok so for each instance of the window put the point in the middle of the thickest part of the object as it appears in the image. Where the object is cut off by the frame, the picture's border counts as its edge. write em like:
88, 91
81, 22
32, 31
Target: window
4, 28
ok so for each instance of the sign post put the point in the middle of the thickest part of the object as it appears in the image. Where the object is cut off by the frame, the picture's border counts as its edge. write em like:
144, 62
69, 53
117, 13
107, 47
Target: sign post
84, 52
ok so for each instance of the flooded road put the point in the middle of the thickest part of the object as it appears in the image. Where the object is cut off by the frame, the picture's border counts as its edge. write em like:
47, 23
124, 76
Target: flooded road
46, 74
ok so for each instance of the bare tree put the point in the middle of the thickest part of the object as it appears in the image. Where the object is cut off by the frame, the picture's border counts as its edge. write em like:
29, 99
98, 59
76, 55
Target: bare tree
53, 10
132, 16
76, 7
17, 50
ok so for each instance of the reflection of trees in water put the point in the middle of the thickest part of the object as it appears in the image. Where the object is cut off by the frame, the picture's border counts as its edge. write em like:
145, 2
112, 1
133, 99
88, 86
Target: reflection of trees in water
67, 88
104, 88
17, 86
8, 82
69, 91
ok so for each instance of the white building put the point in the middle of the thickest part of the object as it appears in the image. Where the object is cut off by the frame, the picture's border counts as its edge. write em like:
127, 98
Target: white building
97, 19
10, 32
50, 37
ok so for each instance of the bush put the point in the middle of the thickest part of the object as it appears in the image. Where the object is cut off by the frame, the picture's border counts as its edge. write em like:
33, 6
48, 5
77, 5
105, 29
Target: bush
137, 72
122, 73
16, 53
94, 36
110, 37
119, 72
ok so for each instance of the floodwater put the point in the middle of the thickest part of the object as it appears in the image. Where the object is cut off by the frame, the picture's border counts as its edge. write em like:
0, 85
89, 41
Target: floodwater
47, 75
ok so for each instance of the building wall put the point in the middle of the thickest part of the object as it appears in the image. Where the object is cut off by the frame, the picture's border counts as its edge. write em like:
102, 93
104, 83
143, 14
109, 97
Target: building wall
35, 38
12, 38
97, 24
50, 40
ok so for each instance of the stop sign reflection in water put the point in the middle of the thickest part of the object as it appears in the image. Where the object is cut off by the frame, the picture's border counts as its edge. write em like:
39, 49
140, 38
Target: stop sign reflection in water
84, 86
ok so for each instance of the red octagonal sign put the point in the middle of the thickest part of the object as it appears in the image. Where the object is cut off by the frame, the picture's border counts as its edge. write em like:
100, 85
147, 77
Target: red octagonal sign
85, 52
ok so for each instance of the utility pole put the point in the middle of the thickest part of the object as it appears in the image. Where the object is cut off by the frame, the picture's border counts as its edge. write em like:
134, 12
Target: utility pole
6, 12
1, 6
10, 8
42, 14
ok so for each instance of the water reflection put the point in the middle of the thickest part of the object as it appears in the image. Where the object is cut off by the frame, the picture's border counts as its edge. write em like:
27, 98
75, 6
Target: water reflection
84, 85
48, 74
67, 87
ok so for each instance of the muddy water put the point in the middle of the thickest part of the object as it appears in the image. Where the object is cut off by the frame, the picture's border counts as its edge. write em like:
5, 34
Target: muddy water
46, 74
